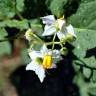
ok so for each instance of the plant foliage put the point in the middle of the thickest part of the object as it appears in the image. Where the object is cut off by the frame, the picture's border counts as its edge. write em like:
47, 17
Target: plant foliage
15, 14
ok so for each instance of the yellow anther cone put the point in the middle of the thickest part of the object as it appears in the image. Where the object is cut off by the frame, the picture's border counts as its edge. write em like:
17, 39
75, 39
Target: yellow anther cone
47, 62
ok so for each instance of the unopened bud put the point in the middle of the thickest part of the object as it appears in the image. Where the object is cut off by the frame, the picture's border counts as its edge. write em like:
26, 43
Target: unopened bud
29, 34
64, 51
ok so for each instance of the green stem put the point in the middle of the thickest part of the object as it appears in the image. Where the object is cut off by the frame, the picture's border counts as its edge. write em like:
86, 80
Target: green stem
61, 45
38, 37
19, 15
53, 41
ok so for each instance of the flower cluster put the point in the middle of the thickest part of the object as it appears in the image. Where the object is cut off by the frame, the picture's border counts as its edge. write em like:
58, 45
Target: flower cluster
46, 58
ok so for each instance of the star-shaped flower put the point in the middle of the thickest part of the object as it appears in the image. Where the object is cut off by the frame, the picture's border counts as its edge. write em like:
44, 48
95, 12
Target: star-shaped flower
57, 26
42, 60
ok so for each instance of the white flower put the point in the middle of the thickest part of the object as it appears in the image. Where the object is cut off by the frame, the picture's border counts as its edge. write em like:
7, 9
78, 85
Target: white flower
56, 26
42, 60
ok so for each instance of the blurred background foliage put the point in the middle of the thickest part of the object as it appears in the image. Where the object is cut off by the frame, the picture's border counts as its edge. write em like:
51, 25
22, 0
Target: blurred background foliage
16, 16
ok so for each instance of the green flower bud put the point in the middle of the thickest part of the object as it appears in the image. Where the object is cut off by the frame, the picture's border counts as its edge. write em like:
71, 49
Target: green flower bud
70, 38
64, 51
29, 34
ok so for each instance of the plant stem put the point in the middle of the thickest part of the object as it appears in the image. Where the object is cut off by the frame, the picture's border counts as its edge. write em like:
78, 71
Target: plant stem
19, 15
37, 37
61, 45
93, 68
53, 41
50, 43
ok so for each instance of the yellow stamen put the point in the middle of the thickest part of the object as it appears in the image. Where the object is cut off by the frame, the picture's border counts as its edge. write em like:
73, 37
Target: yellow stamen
47, 62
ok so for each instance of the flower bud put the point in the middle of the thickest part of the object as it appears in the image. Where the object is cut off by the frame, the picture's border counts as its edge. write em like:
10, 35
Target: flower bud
70, 38
64, 51
29, 34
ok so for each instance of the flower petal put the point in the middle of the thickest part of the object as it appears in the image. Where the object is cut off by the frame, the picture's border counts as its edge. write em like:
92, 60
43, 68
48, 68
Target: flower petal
34, 54
56, 56
49, 30
56, 53
60, 35
32, 66
38, 69
70, 30
44, 50
48, 19
61, 23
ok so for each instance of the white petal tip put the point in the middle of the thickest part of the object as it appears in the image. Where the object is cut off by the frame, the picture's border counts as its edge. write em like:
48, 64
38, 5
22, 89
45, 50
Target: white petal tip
28, 67
41, 78
43, 34
41, 81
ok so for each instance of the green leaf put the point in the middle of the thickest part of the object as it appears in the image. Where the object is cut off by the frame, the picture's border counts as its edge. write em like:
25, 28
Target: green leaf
79, 80
92, 91
5, 47
57, 7
84, 22
94, 76
7, 9
3, 33
85, 16
84, 42
23, 24
85, 87
87, 72
20, 5
36, 26
25, 56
